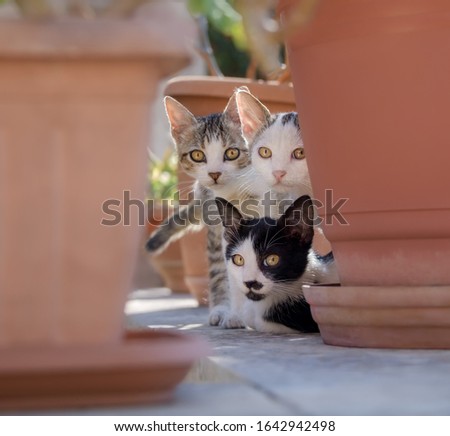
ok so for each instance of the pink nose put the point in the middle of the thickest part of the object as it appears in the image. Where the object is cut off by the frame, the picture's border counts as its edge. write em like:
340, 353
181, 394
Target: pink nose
279, 174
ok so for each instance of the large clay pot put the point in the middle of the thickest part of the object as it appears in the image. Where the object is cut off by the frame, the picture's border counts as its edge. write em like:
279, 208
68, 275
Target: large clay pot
372, 91
75, 99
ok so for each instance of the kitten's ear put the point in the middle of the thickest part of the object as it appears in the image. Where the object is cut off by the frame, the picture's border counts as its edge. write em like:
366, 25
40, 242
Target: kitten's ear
252, 112
299, 219
231, 112
180, 118
230, 216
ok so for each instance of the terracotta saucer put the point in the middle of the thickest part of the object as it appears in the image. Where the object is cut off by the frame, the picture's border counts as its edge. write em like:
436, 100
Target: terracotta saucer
382, 317
145, 367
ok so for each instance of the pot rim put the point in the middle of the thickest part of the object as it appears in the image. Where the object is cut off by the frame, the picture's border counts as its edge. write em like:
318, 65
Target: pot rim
105, 39
210, 86
350, 19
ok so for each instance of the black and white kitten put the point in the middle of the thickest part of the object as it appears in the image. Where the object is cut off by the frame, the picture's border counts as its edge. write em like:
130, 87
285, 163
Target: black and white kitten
268, 261
210, 149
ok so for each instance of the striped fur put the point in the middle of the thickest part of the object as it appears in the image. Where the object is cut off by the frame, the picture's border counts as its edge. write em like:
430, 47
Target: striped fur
213, 135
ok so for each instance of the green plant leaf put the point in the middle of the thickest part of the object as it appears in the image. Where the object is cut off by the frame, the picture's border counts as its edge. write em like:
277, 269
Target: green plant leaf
162, 176
223, 17
198, 7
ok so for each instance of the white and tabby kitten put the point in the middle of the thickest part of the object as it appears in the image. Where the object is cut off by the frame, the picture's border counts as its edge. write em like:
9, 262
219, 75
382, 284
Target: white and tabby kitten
277, 155
210, 149
268, 261
276, 149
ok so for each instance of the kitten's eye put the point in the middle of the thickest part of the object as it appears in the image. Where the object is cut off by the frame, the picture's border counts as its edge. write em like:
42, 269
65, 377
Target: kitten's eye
264, 152
238, 260
272, 260
197, 156
298, 153
232, 153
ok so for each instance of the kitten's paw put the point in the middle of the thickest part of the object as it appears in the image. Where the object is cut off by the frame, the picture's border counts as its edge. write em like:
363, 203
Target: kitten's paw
223, 317
217, 314
232, 321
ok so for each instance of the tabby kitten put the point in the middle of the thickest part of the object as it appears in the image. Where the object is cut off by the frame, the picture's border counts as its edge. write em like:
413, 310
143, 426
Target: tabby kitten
210, 149
268, 260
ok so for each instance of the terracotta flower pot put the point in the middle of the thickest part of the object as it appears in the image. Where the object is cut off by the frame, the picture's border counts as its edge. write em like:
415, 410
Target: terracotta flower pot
372, 91
107, 375
75, 100
169, 263
83, 91
366, 124
382, 317
204, 95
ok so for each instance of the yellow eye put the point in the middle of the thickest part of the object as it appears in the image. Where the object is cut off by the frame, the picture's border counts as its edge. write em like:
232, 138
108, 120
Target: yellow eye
264, 152
272, 260
298, 153
232, 153
198, 156
238, 260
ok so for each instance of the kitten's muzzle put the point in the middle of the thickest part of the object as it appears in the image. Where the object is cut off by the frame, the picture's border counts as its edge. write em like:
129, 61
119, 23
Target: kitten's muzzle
215, 176
253, 285
278, 174
255, 296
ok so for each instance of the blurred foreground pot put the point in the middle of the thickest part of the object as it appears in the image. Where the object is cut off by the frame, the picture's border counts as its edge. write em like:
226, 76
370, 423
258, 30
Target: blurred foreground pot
75, 100
372, 90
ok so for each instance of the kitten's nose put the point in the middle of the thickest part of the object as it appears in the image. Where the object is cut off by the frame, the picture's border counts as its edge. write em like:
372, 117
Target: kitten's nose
253, 285
279, 174
215, 176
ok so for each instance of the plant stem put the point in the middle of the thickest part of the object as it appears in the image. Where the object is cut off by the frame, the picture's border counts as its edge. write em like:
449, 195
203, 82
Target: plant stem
205, 50
263, 42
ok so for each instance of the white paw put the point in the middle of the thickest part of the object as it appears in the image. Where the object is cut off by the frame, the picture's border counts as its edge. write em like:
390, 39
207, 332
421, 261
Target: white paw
232, 321
217, 314
223, 317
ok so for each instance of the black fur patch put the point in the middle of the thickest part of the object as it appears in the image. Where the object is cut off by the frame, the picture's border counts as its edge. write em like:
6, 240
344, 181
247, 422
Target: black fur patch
290, 117
293, 314
269, 237
328, 258
253, 284
254, 296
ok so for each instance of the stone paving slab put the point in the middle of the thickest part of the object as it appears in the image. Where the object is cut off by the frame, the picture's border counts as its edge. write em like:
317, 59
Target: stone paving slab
252, 373
303, 375
194, 399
